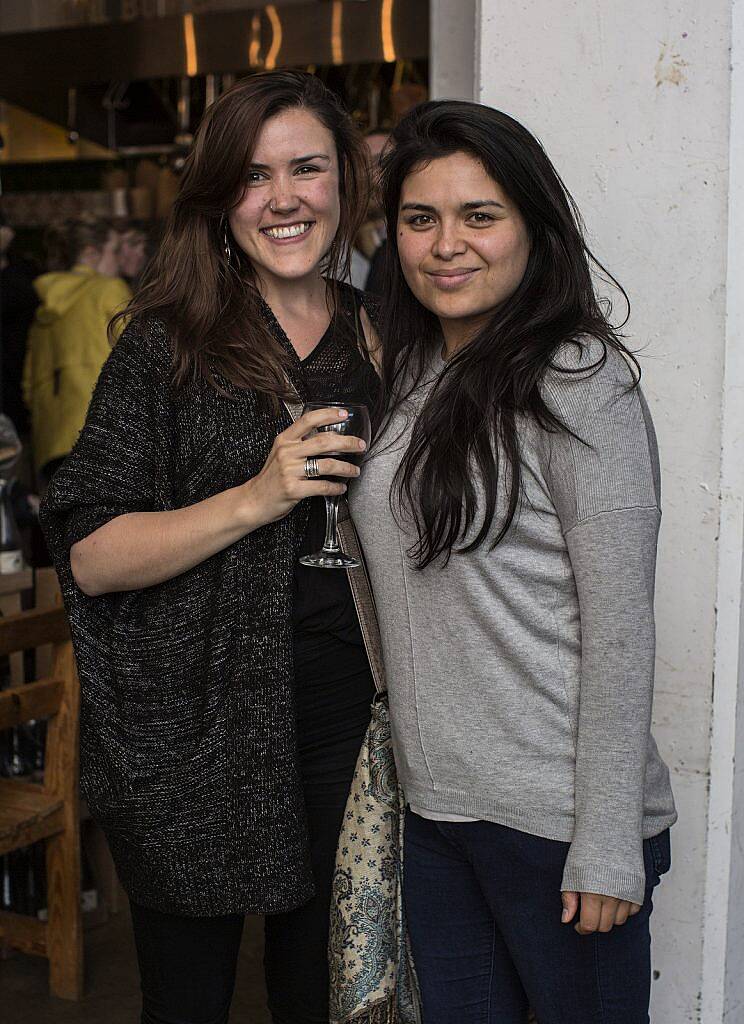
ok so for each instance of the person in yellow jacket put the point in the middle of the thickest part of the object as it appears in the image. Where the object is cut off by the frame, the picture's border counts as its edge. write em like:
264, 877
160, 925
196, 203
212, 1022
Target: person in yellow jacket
68, 341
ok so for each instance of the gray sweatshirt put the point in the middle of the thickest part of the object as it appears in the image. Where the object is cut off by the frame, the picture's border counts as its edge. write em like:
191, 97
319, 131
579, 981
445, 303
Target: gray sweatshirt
521, 679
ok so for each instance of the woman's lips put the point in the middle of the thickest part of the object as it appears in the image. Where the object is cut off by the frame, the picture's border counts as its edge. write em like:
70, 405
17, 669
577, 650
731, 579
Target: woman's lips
449, 280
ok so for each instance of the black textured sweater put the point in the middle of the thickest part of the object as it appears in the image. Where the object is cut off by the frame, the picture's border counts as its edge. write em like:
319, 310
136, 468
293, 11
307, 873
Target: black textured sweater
188, 747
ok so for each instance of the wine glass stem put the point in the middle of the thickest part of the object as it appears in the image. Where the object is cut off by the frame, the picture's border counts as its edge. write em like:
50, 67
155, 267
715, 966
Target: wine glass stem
330, 544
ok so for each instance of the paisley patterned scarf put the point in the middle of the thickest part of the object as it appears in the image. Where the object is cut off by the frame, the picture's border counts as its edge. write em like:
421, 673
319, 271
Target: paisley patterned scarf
371, 972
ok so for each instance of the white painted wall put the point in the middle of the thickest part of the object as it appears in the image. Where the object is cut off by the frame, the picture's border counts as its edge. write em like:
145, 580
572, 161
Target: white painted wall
633, 102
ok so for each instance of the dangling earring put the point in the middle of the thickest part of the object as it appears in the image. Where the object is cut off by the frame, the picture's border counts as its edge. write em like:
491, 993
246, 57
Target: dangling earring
226, 244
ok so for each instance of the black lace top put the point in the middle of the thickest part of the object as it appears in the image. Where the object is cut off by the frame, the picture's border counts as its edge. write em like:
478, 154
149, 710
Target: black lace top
188, 749
333, 371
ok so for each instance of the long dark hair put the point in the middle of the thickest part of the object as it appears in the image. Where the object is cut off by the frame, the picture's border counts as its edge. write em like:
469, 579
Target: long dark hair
212, 306
465, 444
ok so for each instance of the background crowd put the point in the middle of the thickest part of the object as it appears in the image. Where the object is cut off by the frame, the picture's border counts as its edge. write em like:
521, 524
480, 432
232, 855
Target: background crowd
55, 340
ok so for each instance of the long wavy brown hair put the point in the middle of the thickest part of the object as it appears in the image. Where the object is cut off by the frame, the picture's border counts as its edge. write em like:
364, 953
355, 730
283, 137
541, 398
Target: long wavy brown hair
211, 305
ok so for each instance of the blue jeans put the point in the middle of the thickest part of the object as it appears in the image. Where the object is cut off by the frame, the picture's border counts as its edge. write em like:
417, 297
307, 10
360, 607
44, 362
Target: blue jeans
483, 904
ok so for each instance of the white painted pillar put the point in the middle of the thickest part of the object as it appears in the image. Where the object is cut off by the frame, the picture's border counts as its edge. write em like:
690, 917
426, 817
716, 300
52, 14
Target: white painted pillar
641, 108
453, 36
722, 994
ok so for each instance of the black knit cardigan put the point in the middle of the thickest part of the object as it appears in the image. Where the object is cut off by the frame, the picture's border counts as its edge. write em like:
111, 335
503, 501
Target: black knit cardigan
188, 749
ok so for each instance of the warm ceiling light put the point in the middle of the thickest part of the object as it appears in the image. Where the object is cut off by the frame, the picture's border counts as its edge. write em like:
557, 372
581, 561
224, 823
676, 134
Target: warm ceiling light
337, 39
254, 47
189, 39
276, 36
388, 43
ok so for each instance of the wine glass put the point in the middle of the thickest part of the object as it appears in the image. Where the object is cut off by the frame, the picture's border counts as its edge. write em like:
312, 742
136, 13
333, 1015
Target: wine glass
356, 424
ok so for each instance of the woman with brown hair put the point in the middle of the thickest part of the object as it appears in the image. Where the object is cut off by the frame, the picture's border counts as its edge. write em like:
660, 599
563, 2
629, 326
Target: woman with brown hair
225, 689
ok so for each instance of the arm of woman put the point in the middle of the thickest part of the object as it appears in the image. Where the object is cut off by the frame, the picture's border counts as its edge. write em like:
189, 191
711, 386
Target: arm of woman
141, 549
606, 491
108, 515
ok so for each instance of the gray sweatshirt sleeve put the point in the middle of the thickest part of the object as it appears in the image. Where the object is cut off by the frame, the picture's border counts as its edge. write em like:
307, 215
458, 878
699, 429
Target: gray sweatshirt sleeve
605, 488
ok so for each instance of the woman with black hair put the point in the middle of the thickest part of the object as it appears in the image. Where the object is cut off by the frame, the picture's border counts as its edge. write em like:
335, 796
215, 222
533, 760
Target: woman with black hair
509, 512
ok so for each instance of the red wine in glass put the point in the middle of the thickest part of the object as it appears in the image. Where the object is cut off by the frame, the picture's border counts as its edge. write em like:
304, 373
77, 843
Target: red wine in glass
356, 424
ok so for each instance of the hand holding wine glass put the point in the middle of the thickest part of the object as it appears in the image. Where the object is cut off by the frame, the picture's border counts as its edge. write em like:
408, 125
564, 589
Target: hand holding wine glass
356, 424
283, 481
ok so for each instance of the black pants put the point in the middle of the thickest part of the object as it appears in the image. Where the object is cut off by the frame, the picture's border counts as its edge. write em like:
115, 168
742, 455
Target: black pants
483, 904
187, 965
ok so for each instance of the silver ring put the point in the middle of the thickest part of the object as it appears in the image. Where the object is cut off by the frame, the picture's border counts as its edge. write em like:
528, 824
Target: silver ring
312, 469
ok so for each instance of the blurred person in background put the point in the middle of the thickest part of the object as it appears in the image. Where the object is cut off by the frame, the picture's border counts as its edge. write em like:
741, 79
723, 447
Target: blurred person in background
68, 342
358, 268
18, 302
372, 239
134, 250
364, 264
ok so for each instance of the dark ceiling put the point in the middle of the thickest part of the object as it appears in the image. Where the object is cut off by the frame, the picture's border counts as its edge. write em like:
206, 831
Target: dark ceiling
127, 77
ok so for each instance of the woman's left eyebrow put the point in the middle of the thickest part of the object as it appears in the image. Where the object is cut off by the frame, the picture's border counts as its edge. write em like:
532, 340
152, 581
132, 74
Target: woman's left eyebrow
312, 156
295, 160
475, 203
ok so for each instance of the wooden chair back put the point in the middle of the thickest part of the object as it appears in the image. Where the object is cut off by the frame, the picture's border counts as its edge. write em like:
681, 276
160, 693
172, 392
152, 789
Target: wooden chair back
30, 812
56, 698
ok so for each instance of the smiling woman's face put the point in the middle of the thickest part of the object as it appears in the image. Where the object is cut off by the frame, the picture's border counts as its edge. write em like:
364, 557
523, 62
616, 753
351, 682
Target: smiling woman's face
289, 213
463, 244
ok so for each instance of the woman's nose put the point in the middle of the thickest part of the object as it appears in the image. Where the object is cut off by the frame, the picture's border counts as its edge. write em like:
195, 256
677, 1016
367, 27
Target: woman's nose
449, 243
284, 196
